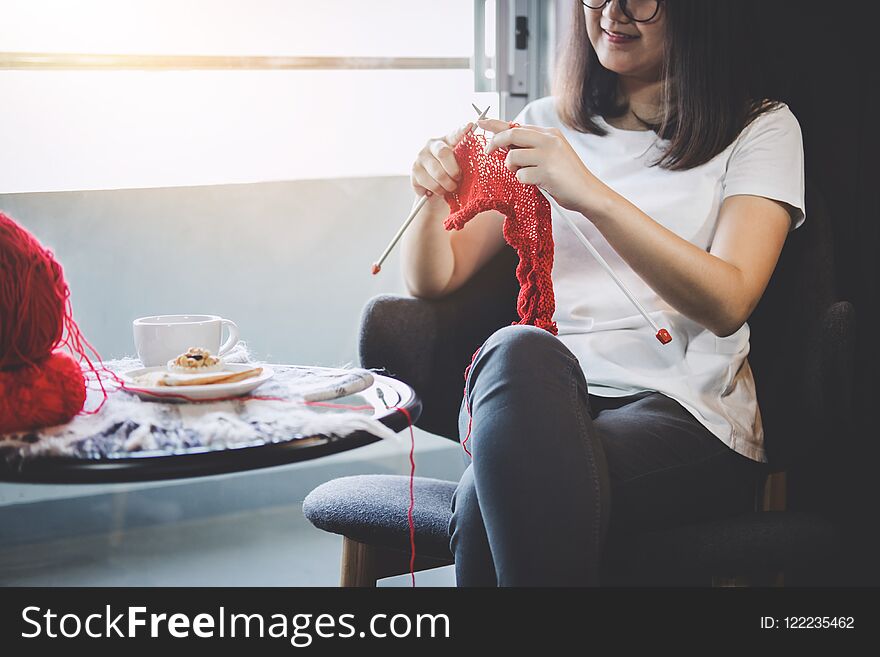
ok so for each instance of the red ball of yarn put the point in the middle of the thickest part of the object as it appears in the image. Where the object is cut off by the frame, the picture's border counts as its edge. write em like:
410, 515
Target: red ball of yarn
41, 395
33, 297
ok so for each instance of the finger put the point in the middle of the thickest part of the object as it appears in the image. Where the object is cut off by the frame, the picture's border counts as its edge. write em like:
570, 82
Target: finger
521, 157
446, 158
438, 173
527, 175
515, 138
496, 126
422, 191
455, 136
493, 125
423, 179
418, 185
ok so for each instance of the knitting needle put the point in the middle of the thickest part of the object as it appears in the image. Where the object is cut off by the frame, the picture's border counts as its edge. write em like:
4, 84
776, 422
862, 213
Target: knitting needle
377, 266
660, 333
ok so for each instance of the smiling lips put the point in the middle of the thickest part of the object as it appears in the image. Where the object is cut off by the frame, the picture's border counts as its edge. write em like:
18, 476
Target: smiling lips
618, 37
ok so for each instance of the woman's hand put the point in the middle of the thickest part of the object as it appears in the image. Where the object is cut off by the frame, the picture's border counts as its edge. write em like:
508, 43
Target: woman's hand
435, 171
543, 157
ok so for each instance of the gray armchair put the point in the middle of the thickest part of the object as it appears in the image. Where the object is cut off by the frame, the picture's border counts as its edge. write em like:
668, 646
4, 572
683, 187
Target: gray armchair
802, 358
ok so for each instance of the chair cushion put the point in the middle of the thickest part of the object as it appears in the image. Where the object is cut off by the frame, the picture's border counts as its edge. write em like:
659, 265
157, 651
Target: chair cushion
373, 509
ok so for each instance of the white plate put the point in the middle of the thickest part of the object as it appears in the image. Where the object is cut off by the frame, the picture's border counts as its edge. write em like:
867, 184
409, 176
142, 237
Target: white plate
196, 393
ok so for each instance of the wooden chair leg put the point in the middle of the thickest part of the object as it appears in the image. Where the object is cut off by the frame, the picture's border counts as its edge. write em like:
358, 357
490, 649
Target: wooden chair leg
358, 564
774, 492
363, 564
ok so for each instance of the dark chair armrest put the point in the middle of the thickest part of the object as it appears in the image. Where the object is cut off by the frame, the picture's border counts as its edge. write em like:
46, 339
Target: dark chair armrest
428, 343
398, 335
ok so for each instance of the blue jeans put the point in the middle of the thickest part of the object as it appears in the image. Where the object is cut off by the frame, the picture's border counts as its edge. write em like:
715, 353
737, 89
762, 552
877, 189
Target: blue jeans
556, 470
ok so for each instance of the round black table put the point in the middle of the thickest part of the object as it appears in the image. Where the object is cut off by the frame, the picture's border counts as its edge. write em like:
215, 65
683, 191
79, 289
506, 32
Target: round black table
154, 466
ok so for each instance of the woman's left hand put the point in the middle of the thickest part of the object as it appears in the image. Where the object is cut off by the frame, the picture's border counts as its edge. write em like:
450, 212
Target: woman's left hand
543, 157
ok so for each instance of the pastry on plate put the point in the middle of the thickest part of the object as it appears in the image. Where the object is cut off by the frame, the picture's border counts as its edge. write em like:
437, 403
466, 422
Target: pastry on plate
195, 361
196, 367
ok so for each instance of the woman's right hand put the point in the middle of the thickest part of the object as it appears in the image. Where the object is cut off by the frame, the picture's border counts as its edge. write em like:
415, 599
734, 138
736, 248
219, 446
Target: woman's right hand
435, 171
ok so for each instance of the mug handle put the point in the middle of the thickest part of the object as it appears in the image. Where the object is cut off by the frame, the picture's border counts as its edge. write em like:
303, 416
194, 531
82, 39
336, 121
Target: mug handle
232, 340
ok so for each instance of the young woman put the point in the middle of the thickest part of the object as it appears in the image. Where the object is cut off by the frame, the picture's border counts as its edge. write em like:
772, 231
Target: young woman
688, 185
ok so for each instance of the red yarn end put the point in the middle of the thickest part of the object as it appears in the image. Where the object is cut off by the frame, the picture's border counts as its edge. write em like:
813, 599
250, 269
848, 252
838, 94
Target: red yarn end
376, 268
663, 336
467, 405
412, 497
468, 436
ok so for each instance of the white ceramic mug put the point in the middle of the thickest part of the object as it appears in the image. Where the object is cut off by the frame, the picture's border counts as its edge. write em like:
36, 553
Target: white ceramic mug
160, 338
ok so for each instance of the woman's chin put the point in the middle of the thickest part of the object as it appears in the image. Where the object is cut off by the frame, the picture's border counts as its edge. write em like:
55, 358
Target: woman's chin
621, 63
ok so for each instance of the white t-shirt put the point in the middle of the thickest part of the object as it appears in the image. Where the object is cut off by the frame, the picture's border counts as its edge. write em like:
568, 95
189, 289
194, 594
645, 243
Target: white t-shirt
708, 375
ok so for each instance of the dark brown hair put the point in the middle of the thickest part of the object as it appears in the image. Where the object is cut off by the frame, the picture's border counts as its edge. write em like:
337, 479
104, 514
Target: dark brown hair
708, 89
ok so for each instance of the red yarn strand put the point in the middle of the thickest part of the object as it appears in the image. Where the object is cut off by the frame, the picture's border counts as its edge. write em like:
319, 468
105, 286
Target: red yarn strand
412, 497
467, 404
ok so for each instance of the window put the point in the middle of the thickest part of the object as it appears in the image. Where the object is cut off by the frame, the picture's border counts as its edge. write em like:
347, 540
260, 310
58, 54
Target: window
145, 93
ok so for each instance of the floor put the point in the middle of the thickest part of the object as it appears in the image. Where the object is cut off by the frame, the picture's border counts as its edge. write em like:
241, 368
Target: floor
270, 547
274, 547
240, 530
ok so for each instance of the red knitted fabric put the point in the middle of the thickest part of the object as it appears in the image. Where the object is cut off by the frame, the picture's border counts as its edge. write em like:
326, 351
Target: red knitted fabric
487, 184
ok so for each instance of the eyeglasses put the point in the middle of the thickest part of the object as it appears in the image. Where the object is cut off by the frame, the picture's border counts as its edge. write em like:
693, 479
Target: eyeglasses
639, 11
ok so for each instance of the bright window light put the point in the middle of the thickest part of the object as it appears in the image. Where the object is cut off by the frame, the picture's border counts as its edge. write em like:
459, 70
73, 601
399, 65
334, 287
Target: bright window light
110, 129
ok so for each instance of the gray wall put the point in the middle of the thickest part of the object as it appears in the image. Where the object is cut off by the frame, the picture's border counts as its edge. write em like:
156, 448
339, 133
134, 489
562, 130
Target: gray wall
288, 261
